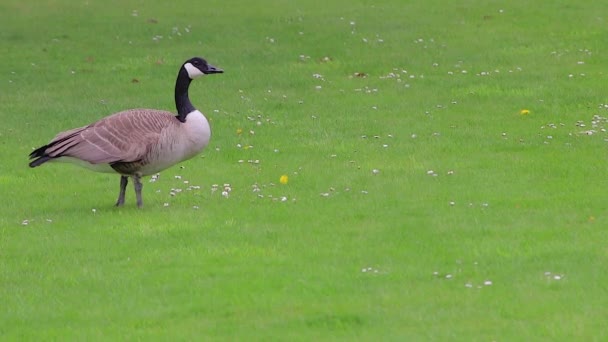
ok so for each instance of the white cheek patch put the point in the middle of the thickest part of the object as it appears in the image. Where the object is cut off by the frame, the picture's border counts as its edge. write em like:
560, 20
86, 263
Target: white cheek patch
193, 71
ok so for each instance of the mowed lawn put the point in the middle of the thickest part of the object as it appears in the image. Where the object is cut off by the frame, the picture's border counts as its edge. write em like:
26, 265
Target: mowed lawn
445, 165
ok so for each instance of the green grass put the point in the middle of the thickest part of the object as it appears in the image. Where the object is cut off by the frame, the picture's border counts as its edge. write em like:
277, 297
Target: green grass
468, 191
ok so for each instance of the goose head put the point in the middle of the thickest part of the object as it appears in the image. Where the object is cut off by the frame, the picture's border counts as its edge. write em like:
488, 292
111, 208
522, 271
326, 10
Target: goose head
196, 67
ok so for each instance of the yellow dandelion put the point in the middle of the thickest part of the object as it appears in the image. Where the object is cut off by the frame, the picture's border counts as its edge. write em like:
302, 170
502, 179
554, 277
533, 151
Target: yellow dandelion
284, 179
524, 112
239, 131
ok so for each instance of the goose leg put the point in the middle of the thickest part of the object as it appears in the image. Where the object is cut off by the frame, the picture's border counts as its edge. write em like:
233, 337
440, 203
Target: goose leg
138, 186
123, 187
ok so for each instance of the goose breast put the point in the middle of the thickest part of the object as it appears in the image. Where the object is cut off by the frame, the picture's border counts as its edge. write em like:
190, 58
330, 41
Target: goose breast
177, 142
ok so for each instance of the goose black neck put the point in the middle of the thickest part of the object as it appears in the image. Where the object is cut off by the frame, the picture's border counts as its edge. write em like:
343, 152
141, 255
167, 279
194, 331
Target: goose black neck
182, 101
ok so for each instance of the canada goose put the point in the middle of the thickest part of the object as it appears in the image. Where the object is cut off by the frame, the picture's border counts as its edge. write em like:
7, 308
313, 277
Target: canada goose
137, 142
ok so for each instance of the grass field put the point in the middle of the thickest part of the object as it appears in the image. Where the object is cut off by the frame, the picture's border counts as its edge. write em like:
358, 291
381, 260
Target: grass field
446, 171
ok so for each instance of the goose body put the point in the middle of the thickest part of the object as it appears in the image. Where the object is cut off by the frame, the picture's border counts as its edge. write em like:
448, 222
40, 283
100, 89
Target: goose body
136, 142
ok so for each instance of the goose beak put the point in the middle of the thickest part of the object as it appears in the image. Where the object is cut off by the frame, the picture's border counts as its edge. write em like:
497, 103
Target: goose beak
213, 70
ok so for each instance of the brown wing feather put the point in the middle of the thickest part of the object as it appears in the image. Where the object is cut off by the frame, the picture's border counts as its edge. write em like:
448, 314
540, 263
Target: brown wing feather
123, 137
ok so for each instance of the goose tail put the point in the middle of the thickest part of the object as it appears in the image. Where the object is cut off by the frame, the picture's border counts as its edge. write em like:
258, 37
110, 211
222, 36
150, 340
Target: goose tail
50, 151
39, 156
